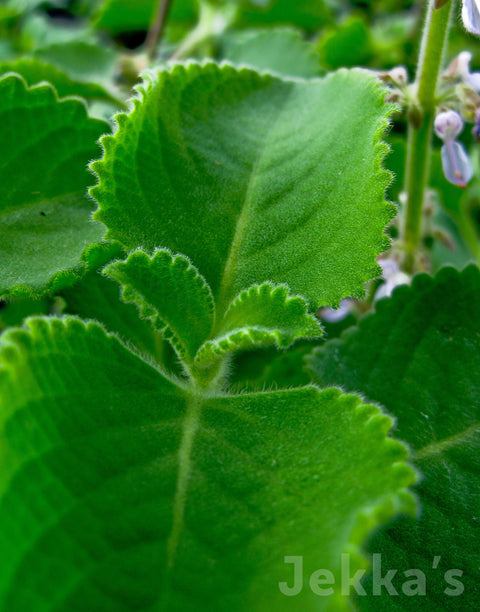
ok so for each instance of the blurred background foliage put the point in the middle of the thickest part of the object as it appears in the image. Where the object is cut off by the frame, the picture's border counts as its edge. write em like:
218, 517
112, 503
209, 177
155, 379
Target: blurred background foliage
378, 34
97, 48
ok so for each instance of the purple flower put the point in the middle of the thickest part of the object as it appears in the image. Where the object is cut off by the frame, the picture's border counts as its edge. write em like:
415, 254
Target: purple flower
332, 315
455, 162
393, 277
471, 16
472, 79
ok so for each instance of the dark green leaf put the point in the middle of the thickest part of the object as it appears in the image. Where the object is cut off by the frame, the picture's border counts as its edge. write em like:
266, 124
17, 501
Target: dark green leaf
419, 356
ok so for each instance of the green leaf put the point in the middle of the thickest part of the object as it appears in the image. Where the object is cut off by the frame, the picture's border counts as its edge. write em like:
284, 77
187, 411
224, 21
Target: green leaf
40, 31
168, 290
45, 219
348, 45
171, 293
118, 16
310, 15
419, 356
34, 71
269, 368
16, 310
255, 179
261, 315
279, 50
82, 59
138, 494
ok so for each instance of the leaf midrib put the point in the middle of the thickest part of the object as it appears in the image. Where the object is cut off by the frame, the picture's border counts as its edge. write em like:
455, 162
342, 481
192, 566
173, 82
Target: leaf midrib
190, 427
242, 222
439, 446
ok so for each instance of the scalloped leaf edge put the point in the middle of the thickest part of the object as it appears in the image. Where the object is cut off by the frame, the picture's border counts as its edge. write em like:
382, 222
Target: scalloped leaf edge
147, 311
381, 147
249, 336
68, 276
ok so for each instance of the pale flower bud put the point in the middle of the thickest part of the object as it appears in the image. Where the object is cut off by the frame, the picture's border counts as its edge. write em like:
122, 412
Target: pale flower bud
448, 125
456, 163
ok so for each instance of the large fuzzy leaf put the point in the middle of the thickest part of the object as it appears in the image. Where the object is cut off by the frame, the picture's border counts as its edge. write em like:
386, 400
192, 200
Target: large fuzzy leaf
253, 178
45, 219
135, 492
419, 356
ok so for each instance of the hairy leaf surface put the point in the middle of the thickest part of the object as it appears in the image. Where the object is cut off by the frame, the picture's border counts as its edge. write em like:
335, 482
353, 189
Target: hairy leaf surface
171, 293
136, 492
419, 356
253, 178
262, 315
45, 219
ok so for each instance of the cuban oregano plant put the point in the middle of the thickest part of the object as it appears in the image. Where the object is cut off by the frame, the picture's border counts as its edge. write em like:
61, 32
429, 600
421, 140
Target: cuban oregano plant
209, 399
133, 475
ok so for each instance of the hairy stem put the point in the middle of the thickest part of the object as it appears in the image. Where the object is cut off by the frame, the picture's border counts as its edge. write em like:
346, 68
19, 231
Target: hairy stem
434, 42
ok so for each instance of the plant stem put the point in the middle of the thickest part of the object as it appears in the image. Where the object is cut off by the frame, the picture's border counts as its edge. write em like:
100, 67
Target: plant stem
211, 23
157, 27
434, 41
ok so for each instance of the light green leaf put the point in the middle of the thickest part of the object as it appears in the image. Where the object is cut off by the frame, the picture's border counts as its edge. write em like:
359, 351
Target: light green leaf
137, 494
34, 71
45, 219
168, 290
37, 31
83, 60
262, 315
280, 50
419, 356
255, 179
